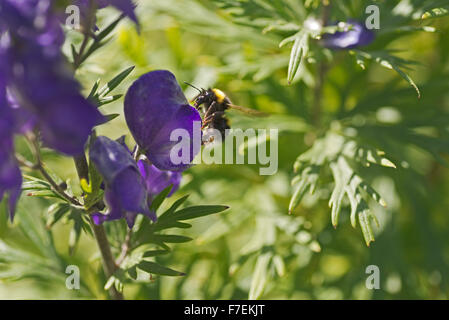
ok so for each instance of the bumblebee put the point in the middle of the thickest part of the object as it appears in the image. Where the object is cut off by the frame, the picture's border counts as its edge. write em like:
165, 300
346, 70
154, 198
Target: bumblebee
214, 103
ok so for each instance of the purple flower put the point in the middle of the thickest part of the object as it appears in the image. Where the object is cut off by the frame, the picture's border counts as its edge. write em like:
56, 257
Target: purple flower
10, 176
127, 7
356, 36
157, 180
155, 106
125, 190
37, 88
129, 187
33, 20
41, 87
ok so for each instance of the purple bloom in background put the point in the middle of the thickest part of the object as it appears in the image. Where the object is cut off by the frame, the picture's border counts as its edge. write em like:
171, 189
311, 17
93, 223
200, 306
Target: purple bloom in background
10, 176
34, 20
37, 88
125, 190
127, 7
41, 88
356, 36
155, 106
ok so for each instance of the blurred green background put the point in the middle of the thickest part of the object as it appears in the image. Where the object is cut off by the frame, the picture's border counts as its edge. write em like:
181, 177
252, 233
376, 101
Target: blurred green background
256, 249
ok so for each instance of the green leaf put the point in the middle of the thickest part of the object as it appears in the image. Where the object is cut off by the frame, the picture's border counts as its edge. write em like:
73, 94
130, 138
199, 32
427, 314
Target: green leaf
299, 51
155, 268
110, 117
112, 84
340, 179
173, 208
390, 62
106, 31
93, 91
198, 211
55, 212
337, 152
171, 238
307, 180
157, 201
153, 253
110, 99
132, 272
260, 276
74, 235
435, 13
162, 225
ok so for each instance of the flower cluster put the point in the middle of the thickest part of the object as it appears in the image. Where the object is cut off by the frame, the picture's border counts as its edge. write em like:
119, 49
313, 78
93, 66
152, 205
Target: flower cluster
154, 107
38, 91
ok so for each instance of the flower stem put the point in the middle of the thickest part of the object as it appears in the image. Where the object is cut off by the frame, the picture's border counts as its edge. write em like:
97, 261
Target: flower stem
321, 73
126, 246
39, 165
109, 265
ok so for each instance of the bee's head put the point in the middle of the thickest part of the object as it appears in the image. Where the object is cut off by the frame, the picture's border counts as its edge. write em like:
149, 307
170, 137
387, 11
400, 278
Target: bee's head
205, 96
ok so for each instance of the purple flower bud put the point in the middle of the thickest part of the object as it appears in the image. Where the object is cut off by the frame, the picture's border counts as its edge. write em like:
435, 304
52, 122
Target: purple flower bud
357, 36
155, 106
125, 190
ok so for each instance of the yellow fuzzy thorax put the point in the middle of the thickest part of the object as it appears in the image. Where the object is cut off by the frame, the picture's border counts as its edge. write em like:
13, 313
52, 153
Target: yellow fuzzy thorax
219, 94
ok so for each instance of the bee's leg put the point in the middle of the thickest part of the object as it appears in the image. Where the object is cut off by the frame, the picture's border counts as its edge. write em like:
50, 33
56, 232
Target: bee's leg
211, 117
212, 108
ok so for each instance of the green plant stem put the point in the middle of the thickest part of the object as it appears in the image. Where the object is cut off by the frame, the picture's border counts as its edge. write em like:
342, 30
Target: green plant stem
82, 168
109, 265
126, 247
79, 58
39, 165
321, 75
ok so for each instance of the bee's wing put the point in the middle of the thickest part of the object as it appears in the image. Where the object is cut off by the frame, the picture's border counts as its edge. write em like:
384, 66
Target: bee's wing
248, 111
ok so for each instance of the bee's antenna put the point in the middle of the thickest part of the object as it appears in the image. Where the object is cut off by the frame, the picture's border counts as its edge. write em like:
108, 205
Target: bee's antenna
189, 84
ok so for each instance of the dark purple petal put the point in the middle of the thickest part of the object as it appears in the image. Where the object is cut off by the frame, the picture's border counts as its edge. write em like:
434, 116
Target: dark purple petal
154, 107
157, 180
125, 190
127, 7
67, 121
10, 176
130, 189
115, 210
110, 158
357, 36
33, 20
41, 87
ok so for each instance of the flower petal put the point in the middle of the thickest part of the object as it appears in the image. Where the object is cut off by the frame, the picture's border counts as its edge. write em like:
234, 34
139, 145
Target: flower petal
155, 106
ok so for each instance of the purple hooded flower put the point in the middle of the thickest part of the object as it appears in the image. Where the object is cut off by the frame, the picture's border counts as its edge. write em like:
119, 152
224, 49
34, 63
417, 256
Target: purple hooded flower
10, 176
125, 190
155, 106
356, 36
129, 187
40, 85
37, 89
